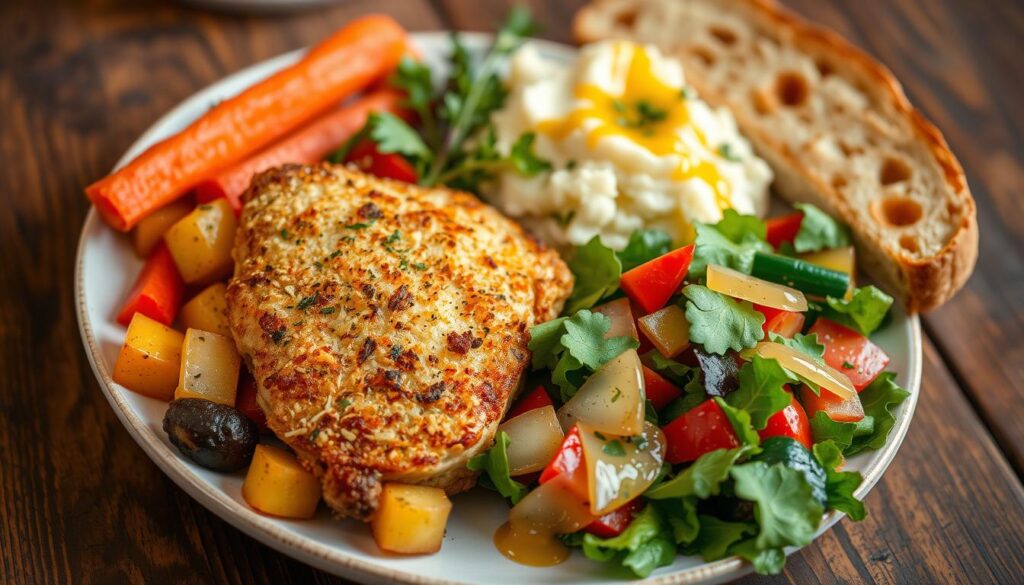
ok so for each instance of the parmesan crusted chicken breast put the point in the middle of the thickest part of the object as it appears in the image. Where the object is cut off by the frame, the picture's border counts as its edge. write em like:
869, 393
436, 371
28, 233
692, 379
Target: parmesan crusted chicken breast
386, 324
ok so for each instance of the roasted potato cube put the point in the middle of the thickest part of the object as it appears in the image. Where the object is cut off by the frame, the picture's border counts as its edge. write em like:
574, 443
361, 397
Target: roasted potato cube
150, 358
151, 228
277, 484
411, 519
208, 311
209, 367
201, 242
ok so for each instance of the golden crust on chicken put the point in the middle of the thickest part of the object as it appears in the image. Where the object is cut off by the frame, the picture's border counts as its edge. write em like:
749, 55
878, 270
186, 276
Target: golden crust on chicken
386, 324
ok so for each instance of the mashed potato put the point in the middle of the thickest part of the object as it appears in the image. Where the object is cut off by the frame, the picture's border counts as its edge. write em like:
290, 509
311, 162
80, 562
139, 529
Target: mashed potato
631, 147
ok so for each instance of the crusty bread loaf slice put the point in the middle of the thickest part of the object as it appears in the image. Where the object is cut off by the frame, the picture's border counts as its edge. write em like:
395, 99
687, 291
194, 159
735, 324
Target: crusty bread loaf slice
833, 123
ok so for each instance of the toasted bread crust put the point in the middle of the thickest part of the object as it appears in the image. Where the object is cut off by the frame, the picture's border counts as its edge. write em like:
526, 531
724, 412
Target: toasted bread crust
923, 283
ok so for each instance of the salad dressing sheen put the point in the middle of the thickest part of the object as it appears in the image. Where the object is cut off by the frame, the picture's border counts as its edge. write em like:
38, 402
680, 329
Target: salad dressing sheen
650, 113
555, 507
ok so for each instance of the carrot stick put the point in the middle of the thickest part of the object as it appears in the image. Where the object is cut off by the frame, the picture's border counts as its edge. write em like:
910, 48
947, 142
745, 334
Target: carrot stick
309, 144
343, 64
158, 290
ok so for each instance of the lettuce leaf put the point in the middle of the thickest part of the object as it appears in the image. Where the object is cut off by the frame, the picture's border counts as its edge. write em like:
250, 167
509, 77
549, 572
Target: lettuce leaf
644, 245
703, 478
761, 392
645, 545
878, 400
819, 231
839, 485
732, 243
494, 462
786, 511
597, 270
864, 312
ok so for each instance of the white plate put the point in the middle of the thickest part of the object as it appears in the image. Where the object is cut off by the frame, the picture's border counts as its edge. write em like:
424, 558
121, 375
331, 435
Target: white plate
106, 267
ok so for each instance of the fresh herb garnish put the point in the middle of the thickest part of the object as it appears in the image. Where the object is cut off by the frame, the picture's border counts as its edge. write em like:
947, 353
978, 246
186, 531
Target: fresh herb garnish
307, 302
453, 142
727, 152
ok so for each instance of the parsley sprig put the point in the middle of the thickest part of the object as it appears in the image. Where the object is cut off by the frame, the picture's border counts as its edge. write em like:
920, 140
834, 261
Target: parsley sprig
454, 142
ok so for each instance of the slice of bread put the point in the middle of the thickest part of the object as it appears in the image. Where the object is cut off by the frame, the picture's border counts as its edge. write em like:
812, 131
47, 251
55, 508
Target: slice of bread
833, 123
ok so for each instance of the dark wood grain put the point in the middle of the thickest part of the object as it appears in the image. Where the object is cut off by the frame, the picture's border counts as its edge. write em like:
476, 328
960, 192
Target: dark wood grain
81, 503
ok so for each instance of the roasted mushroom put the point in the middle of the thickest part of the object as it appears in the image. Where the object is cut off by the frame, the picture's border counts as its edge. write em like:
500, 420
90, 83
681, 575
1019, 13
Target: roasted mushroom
213, 435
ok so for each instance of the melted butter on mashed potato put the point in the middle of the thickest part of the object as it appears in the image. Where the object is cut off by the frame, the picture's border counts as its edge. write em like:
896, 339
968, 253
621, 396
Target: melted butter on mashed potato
631, 147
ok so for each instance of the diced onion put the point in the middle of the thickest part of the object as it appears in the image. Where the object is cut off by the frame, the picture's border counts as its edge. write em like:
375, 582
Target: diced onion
742, 286
554, 508
804, 366
620, 468
534, 438
667, 329
621, 315
610, 401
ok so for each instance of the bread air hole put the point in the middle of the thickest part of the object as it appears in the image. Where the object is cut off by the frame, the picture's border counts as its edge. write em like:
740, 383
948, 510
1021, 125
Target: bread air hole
704, 55
792, 88
724, 35
894, 170
763, 102
909, 243
626, 18
897, 211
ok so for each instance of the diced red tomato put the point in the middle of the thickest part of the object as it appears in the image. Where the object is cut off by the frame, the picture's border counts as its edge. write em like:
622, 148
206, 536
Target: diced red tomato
701, 430
783, 229
568, 464
615, 522
789, 422
850, 352
246, 402
538, 398
157, 292
784, 323
652, 284
659, 390
367, 158
838, 409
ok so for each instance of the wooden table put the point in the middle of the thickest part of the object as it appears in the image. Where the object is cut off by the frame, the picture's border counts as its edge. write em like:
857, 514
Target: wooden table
80, 502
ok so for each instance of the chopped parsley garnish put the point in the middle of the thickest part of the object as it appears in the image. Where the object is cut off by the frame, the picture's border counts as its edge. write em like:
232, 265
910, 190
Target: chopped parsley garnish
277, 335
284, 234
360, 226
640, 115
726, 151
308, 302
328, 310
847, 366
343, 404
419, 266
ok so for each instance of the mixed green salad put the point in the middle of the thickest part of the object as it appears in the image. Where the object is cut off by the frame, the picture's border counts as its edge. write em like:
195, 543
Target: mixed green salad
758, 406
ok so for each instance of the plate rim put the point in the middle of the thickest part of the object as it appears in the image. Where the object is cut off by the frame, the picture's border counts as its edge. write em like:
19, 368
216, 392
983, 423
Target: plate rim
330, 559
